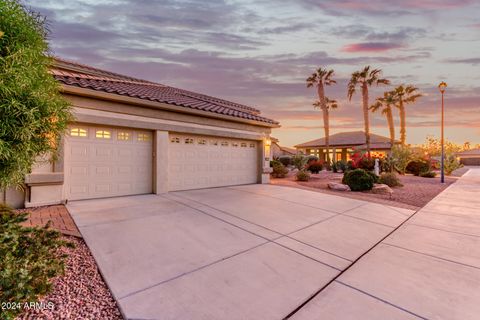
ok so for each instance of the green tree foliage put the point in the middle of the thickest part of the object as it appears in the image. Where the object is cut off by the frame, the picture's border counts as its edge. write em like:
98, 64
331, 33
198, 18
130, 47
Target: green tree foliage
33, 114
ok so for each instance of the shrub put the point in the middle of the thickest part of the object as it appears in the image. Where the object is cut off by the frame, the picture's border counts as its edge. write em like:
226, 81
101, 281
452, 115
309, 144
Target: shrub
342, 165
315, 166
361, 160
428, 174
390, 179
285, 160
335, 166
388, 164
279, 170
28, 260
274, 163
358, 180
302, 175
417, 166
401, 156
311, 158
451, 164
373, 175
299, 161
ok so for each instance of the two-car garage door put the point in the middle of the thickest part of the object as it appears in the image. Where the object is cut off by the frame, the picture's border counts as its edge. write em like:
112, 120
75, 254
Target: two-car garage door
107, 162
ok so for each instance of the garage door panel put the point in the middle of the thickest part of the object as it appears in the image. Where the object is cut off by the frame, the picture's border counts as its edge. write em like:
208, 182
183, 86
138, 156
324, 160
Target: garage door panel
203, 162
106, 162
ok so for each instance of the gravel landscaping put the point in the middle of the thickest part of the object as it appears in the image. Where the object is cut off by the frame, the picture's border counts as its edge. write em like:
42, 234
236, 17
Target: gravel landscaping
415, 193
80, 293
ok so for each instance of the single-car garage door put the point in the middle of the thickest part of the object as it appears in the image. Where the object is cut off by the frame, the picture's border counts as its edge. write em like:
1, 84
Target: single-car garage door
107, 162
205, 162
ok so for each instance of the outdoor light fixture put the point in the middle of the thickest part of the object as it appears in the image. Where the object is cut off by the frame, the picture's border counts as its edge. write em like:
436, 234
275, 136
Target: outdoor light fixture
442, 86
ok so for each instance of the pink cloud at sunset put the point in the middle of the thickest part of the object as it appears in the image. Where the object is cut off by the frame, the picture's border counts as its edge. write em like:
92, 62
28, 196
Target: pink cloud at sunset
370, 47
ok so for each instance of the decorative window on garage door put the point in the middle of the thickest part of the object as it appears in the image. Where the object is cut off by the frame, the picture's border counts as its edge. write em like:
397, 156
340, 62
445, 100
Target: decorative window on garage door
103, 134
124, 136
143, 137
175, 140
78, 132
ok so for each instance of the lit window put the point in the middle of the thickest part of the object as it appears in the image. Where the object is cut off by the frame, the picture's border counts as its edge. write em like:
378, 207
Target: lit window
188, 140
143, 137
224, 144
175, 140
243, 145
102, 134
78, 132
202, 141
252, 145
123, 135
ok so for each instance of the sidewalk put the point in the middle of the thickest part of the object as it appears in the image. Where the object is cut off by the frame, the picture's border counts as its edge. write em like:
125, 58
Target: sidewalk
427, 269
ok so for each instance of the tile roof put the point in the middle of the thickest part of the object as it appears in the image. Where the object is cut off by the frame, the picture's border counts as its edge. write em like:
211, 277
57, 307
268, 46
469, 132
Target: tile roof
354, 138
79, 75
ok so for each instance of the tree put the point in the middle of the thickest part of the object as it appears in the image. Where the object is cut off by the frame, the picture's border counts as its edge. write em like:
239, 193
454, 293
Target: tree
385, 103
364, 79
405, 95
321, 78
33, 114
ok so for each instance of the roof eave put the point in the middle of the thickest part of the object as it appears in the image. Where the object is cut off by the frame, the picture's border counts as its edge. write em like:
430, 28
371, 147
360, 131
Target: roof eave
74, 90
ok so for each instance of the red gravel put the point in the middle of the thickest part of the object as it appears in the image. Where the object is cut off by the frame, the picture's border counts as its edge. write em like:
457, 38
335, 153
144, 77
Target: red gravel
80, 293
415, 193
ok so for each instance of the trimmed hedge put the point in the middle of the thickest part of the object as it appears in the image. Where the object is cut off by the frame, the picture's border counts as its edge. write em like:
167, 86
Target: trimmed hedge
358, 180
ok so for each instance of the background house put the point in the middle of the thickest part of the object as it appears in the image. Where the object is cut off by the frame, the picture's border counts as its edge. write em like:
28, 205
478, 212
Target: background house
470, 157
278, 150
132, 136
342, 145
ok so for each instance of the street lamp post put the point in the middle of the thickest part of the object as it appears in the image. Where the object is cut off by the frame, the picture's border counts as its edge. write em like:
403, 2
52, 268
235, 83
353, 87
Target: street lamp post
442, 86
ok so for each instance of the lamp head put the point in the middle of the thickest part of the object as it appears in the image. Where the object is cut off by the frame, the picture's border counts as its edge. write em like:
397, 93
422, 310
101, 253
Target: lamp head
442, 86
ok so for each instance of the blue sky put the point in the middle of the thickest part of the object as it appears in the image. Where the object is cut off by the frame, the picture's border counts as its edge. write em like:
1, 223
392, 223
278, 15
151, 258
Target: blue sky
260, 52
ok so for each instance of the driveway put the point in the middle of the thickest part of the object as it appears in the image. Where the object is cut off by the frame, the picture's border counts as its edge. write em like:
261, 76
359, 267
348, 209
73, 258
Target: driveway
244, 252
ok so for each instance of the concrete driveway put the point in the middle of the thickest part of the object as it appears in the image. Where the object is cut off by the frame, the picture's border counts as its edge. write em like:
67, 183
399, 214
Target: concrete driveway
244, 252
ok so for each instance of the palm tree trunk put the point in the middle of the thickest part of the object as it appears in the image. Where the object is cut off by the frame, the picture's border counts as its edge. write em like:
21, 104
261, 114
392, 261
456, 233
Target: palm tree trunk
366, 119
391, 126
403, 129
323, 105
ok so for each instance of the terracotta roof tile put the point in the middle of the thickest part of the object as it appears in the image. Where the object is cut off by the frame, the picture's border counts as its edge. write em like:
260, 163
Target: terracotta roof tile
74, 74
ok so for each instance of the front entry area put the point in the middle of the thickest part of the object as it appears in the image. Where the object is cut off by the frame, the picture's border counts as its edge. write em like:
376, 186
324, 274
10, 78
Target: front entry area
107, 162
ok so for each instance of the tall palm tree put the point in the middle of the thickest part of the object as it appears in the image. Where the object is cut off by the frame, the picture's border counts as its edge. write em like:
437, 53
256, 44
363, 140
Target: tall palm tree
319, 79
364, 79
386, 103
405, 94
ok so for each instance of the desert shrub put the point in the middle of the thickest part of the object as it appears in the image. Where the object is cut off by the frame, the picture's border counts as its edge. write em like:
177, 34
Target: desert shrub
418, 166
311, 158
274, 163
334, 166
342, 165
361, 160
285, 160
279, 170
350, 166
387, 164
451, 164
401, 156
302, 175
299, 161
28, 260
427, 174
390, 179
315, 166
358, 180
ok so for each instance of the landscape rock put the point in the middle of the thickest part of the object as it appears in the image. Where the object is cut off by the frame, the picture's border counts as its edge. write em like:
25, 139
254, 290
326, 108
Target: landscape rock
379, 188
338, 186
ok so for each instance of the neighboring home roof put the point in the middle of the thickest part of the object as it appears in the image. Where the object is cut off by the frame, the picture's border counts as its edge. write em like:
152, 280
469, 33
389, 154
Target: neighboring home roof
472, 152
378, 145
353, 138
79, 75
287, 150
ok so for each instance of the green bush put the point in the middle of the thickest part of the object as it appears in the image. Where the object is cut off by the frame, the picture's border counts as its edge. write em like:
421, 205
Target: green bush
279, 170
390, 179
451, 164
311, 158
285, 160
302, 175
334, 166
373, 175
418, 166
315, 166
342, 165
428, 174
401, 156
358, 180
299, 161
28, 260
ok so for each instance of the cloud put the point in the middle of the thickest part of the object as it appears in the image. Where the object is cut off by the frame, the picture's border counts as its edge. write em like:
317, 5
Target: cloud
371, 47
360, 31
472, 61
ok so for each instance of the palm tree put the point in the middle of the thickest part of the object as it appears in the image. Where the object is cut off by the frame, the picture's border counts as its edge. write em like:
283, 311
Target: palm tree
321, 78
405, 95
365, 78
386, 102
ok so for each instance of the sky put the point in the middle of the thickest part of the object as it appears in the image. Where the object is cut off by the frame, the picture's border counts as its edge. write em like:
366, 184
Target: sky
260, 52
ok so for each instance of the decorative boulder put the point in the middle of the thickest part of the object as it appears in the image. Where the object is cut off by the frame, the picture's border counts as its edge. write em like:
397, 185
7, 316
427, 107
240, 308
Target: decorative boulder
338, 186
381, 189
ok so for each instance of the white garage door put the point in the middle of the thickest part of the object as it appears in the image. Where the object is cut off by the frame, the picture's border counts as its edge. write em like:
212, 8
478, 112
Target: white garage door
204, 162
107, 162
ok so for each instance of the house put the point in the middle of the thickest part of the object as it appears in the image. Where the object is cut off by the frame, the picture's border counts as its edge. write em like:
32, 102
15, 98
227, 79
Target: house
132, 136
278, 150
469, 157
343, 144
